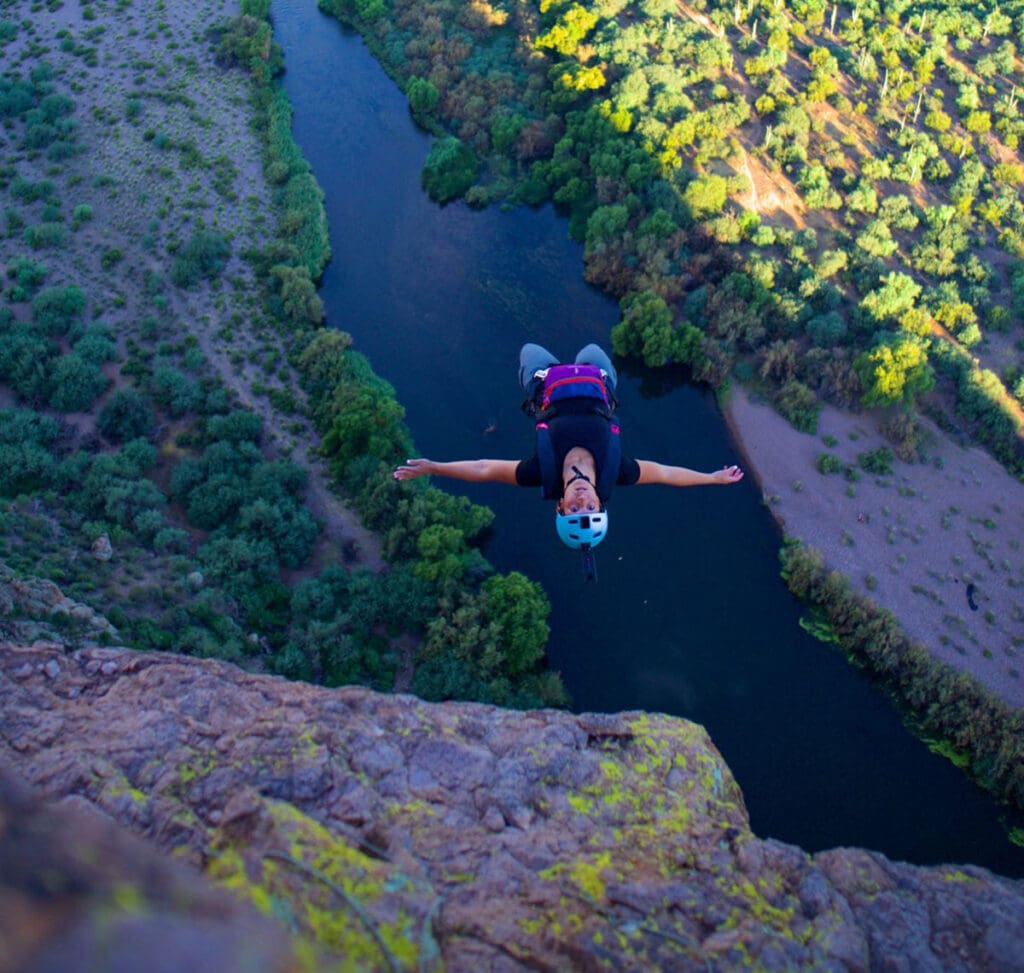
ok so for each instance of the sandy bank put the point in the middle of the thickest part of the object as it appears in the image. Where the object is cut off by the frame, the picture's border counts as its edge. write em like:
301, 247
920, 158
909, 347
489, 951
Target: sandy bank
937, 543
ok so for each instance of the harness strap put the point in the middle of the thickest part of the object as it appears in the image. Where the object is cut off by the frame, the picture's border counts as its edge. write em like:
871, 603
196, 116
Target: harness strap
550, 477
579, 476
612, 460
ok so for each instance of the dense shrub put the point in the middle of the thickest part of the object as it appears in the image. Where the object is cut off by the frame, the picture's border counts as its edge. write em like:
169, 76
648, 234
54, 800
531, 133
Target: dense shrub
76, 383
57, 308
26, 362
799, 405
829, 463
126, 415
878, 461
450, 169
115, 487
44, 236
202, 257
26, 460
178, 393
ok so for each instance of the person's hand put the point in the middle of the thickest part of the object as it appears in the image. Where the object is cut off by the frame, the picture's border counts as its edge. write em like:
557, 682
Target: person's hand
412, 469
728, 474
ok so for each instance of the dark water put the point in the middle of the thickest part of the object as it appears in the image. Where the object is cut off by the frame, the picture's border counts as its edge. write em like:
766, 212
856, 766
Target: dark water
690, 616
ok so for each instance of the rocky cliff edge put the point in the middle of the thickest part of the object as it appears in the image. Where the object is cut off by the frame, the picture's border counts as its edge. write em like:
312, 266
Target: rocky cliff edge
382, 832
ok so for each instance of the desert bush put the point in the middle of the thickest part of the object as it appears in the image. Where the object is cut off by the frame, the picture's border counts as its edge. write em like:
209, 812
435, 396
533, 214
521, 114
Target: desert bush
44, 236
76, 383
829, 463
907, 436
95, 346
28, 273
799, 405
126, 415
26, 460
877, 461
201, 258
81, 214
178, 393
57, 308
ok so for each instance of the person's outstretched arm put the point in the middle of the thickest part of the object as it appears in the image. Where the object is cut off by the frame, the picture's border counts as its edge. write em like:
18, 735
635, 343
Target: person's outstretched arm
473, 470
680, 476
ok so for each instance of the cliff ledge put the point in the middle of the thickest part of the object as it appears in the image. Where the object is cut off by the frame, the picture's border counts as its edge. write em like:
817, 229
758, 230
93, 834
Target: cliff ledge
389, 833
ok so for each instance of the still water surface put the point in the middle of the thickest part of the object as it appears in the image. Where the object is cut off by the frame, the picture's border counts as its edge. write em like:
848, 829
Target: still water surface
690, 616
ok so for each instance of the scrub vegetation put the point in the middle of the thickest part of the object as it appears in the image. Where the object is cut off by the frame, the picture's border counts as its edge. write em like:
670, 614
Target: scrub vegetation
163, 367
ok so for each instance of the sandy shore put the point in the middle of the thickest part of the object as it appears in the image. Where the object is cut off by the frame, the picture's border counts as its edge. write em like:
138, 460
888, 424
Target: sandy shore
937, 543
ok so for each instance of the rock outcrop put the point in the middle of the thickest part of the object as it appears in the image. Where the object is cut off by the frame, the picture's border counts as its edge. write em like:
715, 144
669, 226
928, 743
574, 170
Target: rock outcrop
35, 608
403, 835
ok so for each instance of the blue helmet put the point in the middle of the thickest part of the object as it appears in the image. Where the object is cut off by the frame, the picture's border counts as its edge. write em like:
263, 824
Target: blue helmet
583, 530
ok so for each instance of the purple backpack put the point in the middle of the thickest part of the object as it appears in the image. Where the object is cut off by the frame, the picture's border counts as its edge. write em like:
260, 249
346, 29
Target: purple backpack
573, 381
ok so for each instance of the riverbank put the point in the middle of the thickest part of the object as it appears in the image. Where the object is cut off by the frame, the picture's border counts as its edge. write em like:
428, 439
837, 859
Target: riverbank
937, 543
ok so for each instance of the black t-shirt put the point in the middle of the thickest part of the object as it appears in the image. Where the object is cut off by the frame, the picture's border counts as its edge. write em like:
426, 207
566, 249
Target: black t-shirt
571, 428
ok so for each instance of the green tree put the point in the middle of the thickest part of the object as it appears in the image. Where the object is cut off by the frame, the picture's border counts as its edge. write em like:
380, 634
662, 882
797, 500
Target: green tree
645, 330
213, 501
519, 609
367, 422
422, 94
826, 330
57, 308
76, 383
450, 169
176, 392
296, 294
290, 528
115, 486
705, 196
240, 564
238, 426
817, 187
895, 371
606, 223
568, 31
942, 243
896, 296
26, 462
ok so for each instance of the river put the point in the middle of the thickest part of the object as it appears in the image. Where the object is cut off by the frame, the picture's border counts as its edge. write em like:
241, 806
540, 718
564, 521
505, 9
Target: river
689, 616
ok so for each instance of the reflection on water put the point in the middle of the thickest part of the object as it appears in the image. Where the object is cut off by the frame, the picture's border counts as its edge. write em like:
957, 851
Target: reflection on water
690, 616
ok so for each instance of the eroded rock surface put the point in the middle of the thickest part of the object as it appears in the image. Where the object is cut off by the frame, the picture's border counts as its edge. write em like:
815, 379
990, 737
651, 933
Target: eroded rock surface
403, 835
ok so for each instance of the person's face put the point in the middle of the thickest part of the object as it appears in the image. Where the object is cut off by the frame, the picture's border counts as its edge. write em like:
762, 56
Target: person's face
580, 497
